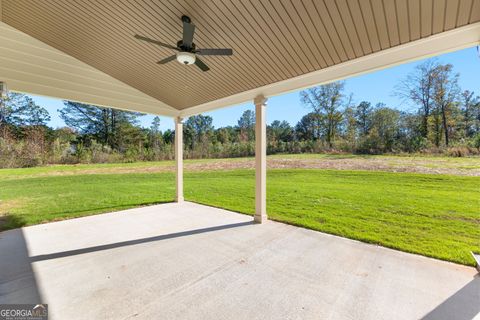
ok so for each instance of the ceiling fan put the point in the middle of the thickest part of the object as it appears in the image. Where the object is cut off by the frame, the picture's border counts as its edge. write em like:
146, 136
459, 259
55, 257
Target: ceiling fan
187, 51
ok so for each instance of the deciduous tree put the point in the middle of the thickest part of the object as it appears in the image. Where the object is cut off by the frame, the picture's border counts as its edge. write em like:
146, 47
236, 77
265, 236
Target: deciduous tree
326, 101
446, 91
418, 87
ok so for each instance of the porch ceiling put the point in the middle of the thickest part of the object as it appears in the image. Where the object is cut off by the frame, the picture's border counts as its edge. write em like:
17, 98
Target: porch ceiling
273, 40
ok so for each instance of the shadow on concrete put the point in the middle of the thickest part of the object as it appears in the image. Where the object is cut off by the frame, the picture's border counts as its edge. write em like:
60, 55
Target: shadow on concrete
136, 241
17, 278
462, 305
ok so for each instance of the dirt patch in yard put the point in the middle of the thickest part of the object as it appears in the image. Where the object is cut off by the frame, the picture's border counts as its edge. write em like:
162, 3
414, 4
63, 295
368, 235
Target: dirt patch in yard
389, 164
416, 165
376, 164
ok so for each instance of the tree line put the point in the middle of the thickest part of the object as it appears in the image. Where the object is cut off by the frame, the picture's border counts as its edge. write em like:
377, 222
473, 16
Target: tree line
446, 120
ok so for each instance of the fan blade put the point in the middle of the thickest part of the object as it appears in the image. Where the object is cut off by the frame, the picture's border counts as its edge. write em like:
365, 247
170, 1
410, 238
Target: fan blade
167, 59
215, 52
199, 63
156, 42
188, 31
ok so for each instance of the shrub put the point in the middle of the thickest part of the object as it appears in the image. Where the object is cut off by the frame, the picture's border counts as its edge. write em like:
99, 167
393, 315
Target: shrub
475, 141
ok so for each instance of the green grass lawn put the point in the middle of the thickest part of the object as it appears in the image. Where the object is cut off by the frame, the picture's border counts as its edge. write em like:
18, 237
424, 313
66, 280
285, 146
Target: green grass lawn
433, 215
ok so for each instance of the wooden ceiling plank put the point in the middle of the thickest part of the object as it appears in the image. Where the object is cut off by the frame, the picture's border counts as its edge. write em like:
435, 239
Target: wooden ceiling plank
369, 21
265, 10
258, 23
283, 72
426, 11
438, 19
276, 35
313, 33
316, 21
464, 11
341, 30
259, 13
414, 19
301, 32
266, 57
350, 27
402, 19
274, 14
475, 12
451, 13
392, 21
280, 44
324, 15
250, 44
380, 23
359, 24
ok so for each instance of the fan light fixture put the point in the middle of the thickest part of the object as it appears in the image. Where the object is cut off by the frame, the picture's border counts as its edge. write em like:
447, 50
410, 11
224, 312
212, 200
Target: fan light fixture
187, 51
186, 57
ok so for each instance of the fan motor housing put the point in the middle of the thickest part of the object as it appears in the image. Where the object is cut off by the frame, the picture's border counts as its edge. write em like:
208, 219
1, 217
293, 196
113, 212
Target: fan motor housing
191, 48
186, 57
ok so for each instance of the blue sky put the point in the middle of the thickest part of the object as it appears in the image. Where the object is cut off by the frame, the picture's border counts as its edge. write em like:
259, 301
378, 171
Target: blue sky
374, 87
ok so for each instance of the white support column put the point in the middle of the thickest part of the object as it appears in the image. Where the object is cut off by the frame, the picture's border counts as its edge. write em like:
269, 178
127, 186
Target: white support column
179, 158
260, 159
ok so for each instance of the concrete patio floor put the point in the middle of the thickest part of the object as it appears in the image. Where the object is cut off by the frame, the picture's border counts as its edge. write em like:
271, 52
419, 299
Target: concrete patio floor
188, 261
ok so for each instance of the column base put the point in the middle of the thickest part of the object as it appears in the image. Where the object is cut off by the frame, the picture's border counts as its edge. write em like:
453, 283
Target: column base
260, 218
180, 200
